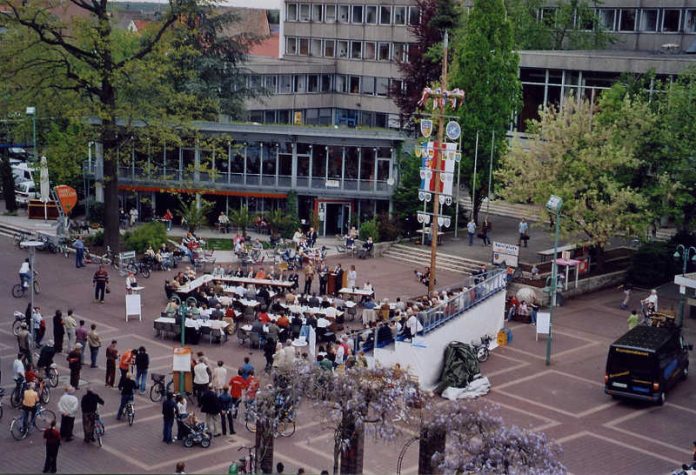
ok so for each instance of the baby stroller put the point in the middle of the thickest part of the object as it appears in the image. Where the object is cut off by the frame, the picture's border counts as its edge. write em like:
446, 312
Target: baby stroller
196, 433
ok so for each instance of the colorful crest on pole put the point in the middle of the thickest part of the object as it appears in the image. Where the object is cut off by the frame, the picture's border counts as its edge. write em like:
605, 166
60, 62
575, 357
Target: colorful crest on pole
426, 127
418, 151
431, 150
453, 130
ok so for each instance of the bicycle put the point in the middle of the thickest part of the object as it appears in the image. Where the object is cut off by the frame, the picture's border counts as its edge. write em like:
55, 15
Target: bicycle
99, 429
20, 237
130, 412
41, 420
247, 464
158, 390
283, 425
19, 318
139, 268
52, 376
482, 349
20, 290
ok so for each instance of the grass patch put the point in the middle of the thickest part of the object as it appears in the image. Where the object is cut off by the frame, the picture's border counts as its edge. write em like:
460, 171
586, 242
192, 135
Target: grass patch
220, 244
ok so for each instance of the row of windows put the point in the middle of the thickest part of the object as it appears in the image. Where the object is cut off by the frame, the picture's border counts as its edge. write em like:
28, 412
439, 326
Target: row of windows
347, 49
322, 83
356, 14
325, 116
626, 20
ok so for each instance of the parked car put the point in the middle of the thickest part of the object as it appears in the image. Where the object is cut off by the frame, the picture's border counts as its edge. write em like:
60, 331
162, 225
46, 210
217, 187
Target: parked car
24, 192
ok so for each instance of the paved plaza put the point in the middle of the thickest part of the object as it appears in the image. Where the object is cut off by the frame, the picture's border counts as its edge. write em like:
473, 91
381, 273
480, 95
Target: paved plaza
566, 400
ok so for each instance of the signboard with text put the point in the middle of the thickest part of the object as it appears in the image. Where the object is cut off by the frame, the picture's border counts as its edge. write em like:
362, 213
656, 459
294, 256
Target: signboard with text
506, 254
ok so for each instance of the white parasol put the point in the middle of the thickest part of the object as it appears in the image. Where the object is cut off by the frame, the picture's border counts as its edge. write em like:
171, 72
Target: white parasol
45, 186
526, 294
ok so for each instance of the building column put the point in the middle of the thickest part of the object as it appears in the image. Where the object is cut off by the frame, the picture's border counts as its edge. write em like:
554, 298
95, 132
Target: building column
343, 165
98, 172
196, 163
293, 167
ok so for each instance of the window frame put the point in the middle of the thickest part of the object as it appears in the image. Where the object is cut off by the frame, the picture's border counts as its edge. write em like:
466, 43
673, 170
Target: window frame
376, 14
380, 44
353, 9
313, 10
689, 12
313, 42
303, 42
287, 12
338, 14
643, 14
600, 18
304, 6
619, 28
382, 9
347, 50
327, 17
365, 50
353, 45
326, 43
679, 20
404, 15
413, 12
288, 41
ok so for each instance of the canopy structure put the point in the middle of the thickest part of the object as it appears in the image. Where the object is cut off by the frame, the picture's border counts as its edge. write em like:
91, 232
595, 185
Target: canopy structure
568, 263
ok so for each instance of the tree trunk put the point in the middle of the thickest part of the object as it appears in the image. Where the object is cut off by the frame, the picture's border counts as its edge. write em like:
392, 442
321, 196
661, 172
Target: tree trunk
111, 206
432, 441
352, 454
264, 447
8, 184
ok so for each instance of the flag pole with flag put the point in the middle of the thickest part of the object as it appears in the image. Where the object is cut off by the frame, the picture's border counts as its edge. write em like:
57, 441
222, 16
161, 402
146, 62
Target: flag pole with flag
45, 186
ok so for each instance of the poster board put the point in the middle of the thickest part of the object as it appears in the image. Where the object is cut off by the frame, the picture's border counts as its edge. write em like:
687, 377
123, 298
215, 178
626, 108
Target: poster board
312, 340
543, 324
181, 359
133, 306
505, 253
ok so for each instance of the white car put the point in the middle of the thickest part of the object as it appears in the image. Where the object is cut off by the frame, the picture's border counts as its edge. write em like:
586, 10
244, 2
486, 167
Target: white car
24, 192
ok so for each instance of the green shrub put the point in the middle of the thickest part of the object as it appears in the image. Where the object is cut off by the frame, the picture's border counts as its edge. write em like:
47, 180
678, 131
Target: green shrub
151, 234
96, 239
389, 229
652, 265
95, 211
369, 228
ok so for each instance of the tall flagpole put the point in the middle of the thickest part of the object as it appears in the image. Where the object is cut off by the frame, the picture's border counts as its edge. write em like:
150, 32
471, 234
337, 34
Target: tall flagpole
490, 174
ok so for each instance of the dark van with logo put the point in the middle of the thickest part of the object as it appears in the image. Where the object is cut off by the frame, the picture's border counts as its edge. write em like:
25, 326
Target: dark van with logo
646, 362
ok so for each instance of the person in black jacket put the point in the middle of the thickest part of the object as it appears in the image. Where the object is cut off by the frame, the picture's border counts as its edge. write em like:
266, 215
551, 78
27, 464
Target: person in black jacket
58, 331
168, 415
210, 406
142, 364
89, 404
127, 393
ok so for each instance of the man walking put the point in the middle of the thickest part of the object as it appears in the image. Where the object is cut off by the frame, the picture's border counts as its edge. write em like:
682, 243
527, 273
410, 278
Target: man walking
89, 404
67, 405
52, 437
94, 342
81, 337
210, 406
168, 415
111, 357
142, 364
100, 281
523, 229
227, 411
471, 231
79, 247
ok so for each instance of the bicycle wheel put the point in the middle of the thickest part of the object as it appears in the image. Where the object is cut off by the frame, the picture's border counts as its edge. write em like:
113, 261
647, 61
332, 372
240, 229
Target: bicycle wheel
15, 397
44, 419
286, 428
156, 392
52, 377
16, 326
37, 287
45, 395
17, 291
99, 432
131, 267
145, 271
16, 429
251, 424
131, 417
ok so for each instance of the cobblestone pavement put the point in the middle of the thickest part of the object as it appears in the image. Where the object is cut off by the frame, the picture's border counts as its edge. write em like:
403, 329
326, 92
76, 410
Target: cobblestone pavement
566, 400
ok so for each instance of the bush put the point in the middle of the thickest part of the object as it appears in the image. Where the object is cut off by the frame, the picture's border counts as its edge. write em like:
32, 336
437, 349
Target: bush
96, 239
369, 228
151, 234
95, 211
652, 265
389, 229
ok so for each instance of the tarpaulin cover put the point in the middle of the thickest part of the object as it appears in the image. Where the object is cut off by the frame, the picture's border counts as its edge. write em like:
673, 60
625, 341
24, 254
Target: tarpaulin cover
459, 367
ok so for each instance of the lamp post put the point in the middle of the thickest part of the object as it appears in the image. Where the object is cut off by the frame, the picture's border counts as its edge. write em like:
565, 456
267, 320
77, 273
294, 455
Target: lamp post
181, 311
31, 246
32, 112
554, 206
684, 253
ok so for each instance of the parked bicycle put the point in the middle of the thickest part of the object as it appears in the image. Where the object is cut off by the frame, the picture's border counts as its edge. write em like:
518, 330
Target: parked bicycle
482, 349
19, 318
20, 290
158, 389
42, 419
142, 268
247, 464
283, 425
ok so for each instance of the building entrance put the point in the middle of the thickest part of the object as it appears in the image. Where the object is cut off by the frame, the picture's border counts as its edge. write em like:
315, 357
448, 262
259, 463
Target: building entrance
336, 217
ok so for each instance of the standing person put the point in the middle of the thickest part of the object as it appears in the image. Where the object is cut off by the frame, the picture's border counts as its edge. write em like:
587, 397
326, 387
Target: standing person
89, 405
236, 386
210, 406
81, 338
70, 324
633, 320
94, 342
309, 277
311, 238
247, 368
471, 231
142, 364
523, 230
226, 411
124, 364
111, 357
67, 405
219, 376
23, 342
100, 281
75, 364
58, 331
268, 351
39, 325
181, 415
485, 230
133, 216
627, 287
352, 277
79, 247
201, 379
127, 393
168, 218
52, 437
168, 415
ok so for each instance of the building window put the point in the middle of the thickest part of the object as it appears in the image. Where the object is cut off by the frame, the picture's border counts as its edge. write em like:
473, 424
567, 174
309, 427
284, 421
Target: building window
317, 12
368, 85
671, 20
371, 15
269, 83
413, 16
285, 84
383, 52
304, 46
627, 20
690, 21
343, 14
547, 16
330, 13
315, 47
284, 116
385, 13
342, 49
400, 52
396, 85
382, 86
341, 83
648, 20
329, 48
300, 83
304, 12
370, 51
325, 83
399, 15
356, 49
313, 83
291, 12
357, 14
291, 46
354, 85
606, 19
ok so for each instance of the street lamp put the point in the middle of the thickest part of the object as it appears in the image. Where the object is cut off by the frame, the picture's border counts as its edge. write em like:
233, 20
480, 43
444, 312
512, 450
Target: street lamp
31, 246
32, 112
181, 312
554, 206
682, 252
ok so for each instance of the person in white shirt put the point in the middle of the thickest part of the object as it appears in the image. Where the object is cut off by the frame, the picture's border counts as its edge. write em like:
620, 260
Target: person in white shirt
331, 312
352, 277
340, 354
67, 405
651, 301
25, 273
219, 376
131, 282
414, 326
18, 368
201, 378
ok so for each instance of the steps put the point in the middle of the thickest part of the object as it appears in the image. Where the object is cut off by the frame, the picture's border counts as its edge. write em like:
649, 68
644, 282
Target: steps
503, 208
420, 258
9, 230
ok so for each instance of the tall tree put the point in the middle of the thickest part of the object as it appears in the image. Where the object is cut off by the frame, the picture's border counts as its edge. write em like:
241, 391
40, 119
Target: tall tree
485, 66
100, 72
424, 55
589, 161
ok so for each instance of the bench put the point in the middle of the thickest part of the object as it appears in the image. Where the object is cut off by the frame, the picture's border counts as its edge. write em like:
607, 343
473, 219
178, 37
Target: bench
546, 253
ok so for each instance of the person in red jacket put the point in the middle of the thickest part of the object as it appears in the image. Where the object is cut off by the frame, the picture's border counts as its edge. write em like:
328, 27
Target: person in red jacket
52, 437
237, 386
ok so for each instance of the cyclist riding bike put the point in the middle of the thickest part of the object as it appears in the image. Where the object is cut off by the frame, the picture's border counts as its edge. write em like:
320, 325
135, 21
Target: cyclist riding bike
18, 371
46, 358
25, 273
30, 401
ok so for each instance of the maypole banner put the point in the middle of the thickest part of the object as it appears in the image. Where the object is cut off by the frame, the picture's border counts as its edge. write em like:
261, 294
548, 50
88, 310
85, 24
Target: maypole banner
67, 196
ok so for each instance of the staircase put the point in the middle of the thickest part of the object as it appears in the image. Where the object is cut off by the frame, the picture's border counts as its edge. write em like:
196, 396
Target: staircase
9, 230
502, 208
420, 257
